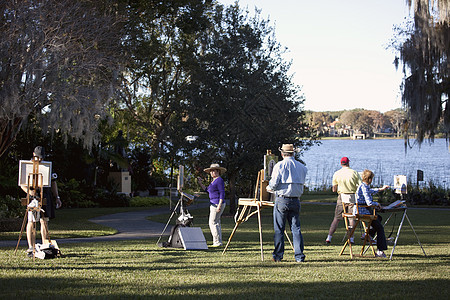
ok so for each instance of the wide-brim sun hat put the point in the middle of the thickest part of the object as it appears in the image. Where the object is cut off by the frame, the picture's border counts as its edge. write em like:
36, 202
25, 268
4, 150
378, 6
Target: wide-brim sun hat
215, 167
287, 148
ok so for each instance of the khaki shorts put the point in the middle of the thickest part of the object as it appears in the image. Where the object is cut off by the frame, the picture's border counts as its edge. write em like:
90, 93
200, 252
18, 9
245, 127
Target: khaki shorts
339, 209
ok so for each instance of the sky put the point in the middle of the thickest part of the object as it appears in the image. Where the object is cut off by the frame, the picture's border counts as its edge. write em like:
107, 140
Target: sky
338, 49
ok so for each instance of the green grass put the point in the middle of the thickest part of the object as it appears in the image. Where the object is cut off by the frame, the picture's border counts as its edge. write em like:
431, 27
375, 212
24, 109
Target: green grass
140, 269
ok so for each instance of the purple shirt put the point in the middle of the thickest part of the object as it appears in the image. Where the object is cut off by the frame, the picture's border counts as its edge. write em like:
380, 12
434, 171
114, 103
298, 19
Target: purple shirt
216, 190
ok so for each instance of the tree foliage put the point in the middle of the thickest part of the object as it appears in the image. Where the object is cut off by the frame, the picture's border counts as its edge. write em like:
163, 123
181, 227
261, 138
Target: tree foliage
424, 54
242, 99
58, 63
184, 68
318, 121
161, 37
360, 120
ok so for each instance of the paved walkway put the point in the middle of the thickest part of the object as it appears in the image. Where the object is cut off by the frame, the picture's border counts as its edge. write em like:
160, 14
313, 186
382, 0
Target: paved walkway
130, 226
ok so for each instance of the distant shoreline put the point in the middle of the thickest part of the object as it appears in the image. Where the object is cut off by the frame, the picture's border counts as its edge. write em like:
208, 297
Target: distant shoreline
371, 138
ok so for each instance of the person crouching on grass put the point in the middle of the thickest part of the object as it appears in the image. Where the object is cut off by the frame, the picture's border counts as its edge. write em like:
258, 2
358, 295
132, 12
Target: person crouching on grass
364, 197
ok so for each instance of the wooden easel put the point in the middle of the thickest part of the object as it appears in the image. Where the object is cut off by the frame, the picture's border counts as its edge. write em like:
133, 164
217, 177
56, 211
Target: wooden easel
35, 182
261, 200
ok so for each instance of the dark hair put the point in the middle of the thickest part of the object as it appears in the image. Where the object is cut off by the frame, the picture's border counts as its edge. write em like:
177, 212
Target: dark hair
39, 151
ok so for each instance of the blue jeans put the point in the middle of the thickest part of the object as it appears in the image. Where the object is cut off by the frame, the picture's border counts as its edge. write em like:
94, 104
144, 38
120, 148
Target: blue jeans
287, 208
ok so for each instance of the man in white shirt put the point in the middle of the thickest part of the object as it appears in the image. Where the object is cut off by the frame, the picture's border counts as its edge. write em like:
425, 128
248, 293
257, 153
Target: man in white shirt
287, 180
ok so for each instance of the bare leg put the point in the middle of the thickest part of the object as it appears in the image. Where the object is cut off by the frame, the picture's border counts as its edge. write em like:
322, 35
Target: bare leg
44, 231
351, 223
31, 238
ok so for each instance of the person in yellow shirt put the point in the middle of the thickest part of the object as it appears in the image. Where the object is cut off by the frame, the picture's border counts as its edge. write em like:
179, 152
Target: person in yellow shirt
345, 182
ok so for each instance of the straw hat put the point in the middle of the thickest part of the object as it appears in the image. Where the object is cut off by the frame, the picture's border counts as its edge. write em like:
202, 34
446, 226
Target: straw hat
215, 167
287, 148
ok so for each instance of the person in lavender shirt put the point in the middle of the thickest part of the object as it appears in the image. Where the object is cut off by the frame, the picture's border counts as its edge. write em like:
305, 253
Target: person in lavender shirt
216, 191
364, 197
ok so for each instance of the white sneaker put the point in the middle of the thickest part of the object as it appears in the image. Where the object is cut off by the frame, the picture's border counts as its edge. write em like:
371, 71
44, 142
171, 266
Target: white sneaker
380, 254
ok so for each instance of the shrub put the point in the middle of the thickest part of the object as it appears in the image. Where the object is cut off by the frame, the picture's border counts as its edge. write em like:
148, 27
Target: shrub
430, 195
105, 198
387, 196
73, 195
11, 207
148, 201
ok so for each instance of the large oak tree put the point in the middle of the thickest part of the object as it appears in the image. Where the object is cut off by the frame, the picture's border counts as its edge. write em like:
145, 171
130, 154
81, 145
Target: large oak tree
242, 99
58, 63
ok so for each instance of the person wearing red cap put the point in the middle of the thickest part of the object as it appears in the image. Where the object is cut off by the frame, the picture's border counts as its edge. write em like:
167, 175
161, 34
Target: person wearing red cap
345, 182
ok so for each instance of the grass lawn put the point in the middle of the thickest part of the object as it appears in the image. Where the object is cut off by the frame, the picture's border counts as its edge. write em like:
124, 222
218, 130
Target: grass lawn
140, 269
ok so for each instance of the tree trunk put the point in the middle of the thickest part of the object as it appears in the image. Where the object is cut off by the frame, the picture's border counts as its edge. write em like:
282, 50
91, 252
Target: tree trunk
8, 133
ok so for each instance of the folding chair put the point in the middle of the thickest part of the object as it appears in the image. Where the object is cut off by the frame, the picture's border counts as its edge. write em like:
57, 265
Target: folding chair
366, 221
349, 230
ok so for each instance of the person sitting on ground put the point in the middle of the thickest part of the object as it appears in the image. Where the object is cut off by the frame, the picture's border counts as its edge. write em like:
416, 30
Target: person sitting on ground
364, 197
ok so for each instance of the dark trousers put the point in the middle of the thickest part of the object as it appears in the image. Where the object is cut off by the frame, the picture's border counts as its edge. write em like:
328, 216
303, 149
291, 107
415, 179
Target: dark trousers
378, 228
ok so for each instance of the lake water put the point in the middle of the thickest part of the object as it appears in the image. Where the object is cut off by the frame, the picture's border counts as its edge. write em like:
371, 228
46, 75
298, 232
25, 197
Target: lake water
385, 158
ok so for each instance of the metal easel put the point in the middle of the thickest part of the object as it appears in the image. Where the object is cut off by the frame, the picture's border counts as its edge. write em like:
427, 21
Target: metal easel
404, 215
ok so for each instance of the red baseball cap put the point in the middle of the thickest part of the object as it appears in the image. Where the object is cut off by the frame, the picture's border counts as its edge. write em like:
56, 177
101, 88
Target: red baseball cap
345, 161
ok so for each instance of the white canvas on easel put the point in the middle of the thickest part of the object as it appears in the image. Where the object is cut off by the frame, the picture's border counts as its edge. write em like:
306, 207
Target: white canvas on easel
192, 238
26, 168
400, 184
270, 161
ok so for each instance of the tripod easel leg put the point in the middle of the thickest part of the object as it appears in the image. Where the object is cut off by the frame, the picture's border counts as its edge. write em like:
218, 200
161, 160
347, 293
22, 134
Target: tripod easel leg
168, 221
289, 240
260, 233
33, 239
410, 224
238, 222
21, 230
398, 234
